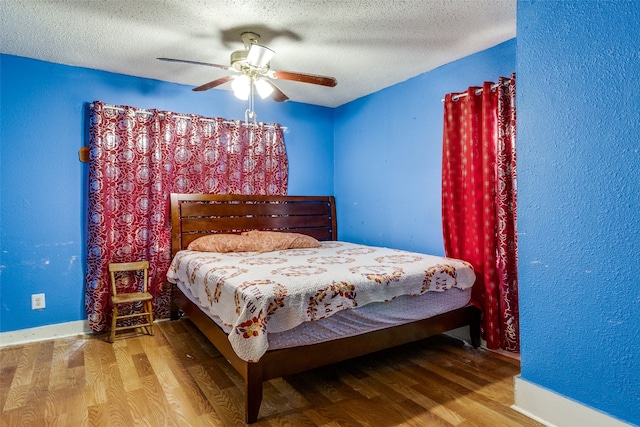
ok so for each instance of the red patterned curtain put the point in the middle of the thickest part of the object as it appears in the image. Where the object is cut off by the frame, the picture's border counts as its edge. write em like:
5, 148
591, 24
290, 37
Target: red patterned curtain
479, 201
137, 158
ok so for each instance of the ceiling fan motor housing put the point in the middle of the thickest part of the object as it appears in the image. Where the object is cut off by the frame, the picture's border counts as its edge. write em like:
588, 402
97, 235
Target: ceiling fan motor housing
239, 59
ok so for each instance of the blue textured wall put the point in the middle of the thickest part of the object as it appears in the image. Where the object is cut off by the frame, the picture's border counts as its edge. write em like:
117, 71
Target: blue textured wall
387, 150
579, 200
42, 215
388, 154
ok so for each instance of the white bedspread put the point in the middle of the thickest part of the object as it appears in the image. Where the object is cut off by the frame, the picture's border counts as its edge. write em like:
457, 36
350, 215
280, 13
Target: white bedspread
255, 293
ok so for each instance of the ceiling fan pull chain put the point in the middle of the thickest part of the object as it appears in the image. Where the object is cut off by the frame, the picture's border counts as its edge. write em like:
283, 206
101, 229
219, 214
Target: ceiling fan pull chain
250, 113
251, 126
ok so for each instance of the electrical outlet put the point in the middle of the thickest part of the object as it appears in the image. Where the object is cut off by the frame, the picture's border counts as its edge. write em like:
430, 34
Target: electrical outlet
37, 301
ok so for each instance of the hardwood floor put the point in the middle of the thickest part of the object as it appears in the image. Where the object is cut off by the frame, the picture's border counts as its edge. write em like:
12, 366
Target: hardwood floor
176, 378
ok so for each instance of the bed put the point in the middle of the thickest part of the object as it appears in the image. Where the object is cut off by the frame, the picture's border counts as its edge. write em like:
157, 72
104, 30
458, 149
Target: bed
300, 346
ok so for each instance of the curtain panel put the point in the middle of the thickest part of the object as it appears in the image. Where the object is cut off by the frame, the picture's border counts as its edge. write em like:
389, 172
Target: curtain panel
479, 201
137, 158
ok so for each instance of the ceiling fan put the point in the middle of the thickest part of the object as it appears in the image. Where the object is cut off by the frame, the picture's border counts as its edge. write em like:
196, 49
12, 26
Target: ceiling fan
252, 63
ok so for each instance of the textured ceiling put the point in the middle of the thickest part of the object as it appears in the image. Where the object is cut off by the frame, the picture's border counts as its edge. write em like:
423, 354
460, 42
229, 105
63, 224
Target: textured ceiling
365, 45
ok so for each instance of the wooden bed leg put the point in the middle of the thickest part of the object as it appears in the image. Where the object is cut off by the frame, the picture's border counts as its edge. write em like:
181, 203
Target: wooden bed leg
253, 392
174, 313
474, 328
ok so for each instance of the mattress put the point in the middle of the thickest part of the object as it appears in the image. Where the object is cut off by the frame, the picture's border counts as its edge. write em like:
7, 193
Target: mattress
371, 317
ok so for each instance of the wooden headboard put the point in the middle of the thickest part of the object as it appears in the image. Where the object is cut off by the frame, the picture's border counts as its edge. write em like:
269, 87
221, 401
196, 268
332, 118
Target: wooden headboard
195, 215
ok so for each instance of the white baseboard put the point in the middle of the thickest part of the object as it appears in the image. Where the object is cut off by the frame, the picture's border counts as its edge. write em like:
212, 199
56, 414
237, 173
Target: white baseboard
49, 332
59, 330
554, 410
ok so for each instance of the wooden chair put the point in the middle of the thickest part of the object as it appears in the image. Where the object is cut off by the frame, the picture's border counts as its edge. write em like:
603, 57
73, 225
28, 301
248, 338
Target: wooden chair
138, 302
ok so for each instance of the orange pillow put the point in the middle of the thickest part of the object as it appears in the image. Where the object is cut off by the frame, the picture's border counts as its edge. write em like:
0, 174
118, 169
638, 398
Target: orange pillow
222, 243
252, 241
279, 240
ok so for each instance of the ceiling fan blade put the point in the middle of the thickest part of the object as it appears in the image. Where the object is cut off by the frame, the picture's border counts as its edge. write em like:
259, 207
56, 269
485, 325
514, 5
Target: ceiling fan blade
211, 85
304, 78
277, 95
184, 61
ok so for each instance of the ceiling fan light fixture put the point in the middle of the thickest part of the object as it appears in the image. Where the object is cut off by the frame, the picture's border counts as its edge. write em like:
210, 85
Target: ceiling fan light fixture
259, 56
264, 88
241, 88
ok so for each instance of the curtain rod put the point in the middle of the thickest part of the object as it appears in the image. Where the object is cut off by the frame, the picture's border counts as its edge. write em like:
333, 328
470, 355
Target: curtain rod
177, 116
83, 153
457, 96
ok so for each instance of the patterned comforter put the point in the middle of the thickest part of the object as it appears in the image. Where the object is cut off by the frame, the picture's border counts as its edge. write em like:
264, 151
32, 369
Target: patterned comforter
255, 293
